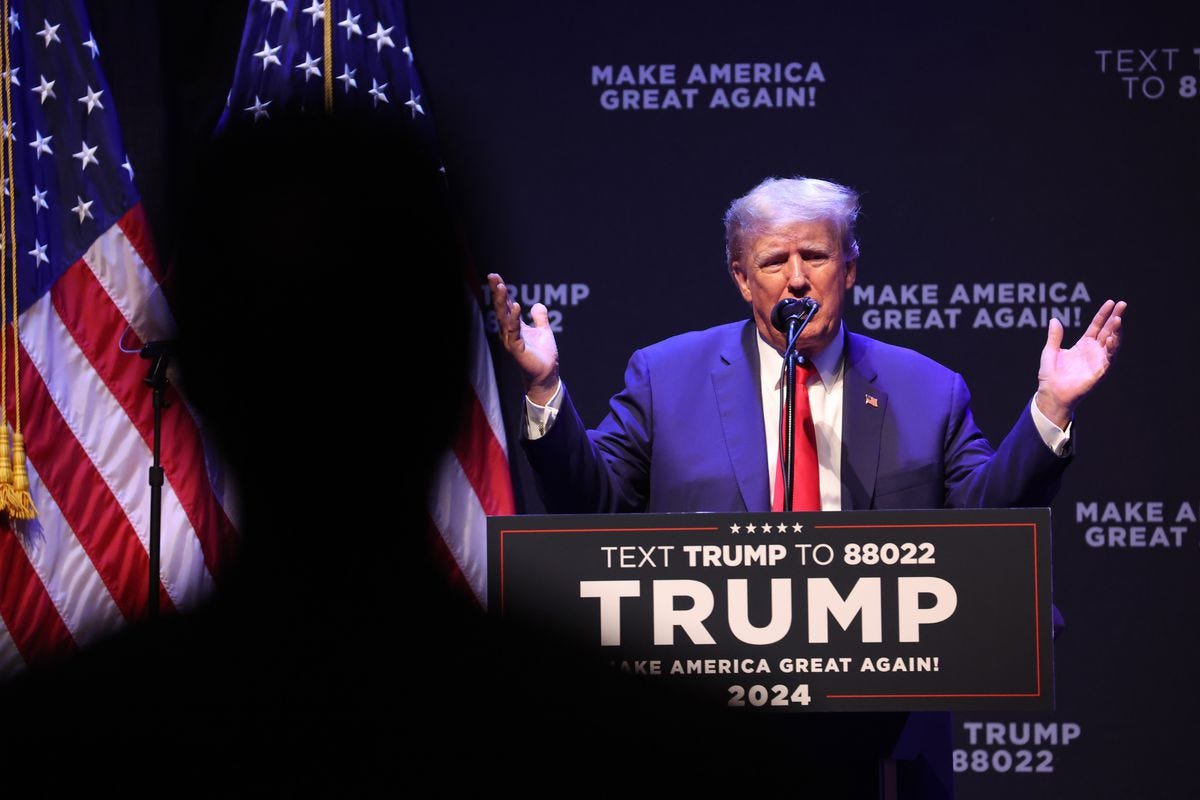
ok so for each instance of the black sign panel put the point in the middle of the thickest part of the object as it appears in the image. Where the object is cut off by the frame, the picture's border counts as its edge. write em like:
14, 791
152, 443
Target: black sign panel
797, 612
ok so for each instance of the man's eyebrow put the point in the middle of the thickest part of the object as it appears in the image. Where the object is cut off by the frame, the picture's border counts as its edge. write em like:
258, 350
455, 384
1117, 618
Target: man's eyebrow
769, 254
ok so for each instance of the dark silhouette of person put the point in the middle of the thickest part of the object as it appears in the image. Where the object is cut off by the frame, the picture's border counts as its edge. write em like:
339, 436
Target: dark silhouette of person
319, 296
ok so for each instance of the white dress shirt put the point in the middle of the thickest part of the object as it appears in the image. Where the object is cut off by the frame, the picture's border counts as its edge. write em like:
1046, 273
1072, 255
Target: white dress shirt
825, 400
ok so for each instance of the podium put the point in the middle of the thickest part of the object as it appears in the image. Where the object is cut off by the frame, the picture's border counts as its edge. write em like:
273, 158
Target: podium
823, 628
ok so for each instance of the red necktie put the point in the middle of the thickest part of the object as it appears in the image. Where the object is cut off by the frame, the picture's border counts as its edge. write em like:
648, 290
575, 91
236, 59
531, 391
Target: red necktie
806, 487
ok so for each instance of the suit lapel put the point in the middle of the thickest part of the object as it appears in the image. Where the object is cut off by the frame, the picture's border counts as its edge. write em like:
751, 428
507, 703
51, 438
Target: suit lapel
863, 407
739, 402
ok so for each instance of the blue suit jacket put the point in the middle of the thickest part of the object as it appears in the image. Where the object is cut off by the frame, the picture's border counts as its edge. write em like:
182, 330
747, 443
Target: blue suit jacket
686, 434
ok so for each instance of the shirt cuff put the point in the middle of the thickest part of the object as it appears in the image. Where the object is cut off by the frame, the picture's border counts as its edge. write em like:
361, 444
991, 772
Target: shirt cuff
538, 419
1058, 440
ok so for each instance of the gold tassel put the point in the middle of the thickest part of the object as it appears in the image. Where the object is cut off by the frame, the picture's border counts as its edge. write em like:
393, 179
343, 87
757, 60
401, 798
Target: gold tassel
8, 495
22, 507
5, 457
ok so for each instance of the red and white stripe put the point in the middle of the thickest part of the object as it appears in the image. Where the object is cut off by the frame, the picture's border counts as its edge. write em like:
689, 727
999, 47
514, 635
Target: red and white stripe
79, 571
72, 583
472, 481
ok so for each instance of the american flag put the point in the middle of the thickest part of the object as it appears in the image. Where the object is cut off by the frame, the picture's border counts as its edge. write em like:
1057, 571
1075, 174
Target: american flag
356, 56
89, 295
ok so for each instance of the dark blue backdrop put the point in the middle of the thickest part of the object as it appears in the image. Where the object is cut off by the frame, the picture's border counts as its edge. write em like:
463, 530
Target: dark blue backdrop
994, 144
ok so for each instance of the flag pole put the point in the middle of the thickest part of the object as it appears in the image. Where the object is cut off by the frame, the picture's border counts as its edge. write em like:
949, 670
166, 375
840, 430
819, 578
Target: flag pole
17, 497
328, 39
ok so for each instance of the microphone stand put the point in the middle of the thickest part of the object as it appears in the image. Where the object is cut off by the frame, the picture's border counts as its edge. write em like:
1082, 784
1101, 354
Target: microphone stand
159, 354
795, 326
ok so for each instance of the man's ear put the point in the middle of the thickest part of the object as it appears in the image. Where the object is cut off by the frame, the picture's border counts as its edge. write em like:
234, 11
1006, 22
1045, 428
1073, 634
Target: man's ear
851, 272
739, 277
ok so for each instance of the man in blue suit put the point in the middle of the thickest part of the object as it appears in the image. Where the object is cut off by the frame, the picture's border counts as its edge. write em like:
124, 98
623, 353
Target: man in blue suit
695, 428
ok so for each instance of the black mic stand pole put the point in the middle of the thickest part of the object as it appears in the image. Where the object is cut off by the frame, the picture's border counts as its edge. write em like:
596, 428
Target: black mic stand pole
159, 355
791, 358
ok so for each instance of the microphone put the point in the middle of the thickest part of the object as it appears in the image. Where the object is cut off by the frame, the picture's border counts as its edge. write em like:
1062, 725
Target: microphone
159, 354
165, 347
801, 310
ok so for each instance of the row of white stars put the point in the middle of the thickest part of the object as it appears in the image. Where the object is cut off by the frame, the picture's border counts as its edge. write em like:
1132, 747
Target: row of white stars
766, 528
259, 108
86, 155
312, 69
381, 36
45, 91
82, 208
268, 54
49, 33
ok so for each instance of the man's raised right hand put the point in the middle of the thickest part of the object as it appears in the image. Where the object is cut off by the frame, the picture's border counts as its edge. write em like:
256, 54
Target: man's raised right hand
532, 347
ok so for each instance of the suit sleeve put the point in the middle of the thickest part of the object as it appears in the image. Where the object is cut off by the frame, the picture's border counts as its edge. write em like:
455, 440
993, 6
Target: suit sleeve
1021, 472
602, 471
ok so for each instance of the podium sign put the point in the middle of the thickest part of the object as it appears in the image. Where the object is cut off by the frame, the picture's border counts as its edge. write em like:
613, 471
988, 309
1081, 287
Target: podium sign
858, 610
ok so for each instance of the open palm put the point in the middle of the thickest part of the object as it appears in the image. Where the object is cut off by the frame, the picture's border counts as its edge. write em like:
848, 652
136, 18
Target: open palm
531, 346
1066, 376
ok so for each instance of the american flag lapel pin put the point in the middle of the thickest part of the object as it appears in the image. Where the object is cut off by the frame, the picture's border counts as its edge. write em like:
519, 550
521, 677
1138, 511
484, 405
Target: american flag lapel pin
872, 401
